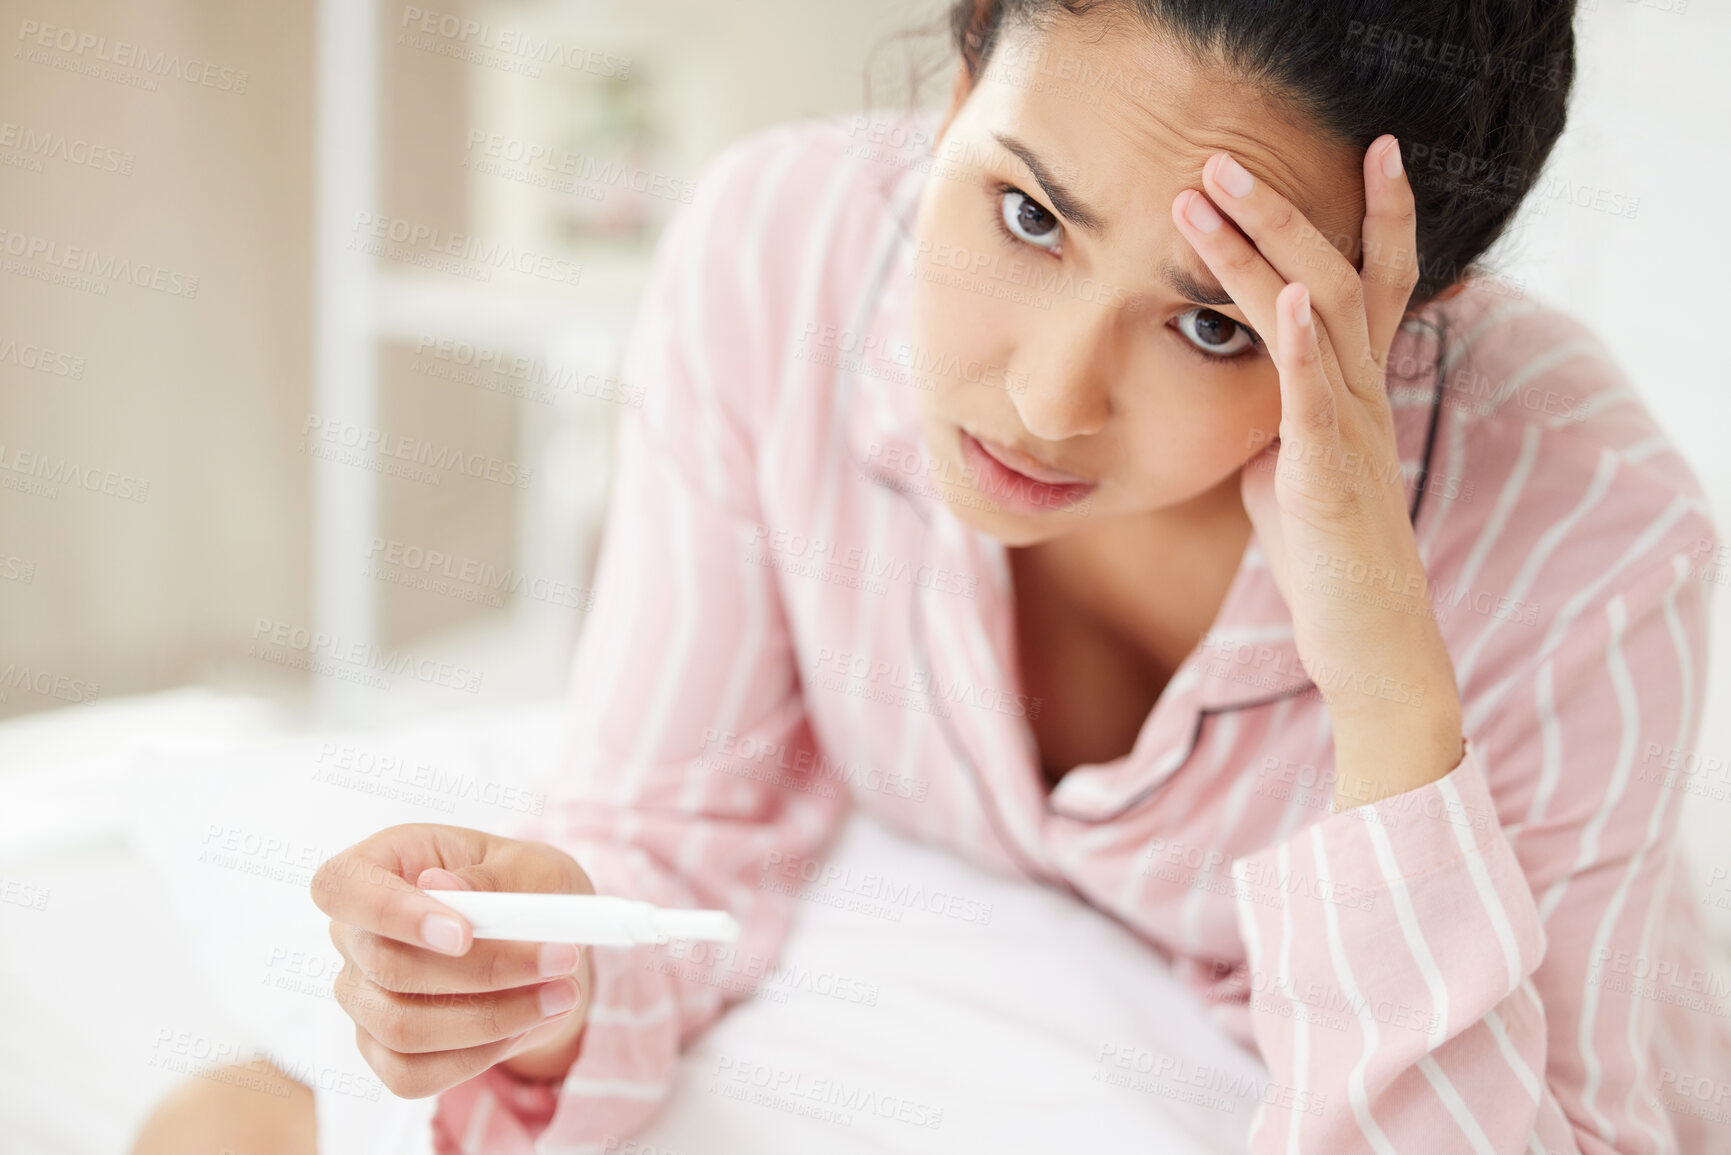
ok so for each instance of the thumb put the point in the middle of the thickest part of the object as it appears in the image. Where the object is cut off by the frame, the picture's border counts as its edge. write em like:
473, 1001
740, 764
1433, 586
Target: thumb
1256, 488
438, 878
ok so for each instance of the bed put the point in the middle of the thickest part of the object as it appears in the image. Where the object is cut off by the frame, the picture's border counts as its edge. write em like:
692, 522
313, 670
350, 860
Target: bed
154, 854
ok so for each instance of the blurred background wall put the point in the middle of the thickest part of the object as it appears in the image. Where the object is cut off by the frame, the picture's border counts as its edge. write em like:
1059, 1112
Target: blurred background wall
159, 339
180, 135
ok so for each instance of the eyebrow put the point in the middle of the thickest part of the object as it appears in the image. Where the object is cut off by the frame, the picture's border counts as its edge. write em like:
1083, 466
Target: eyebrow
1189, 287
1068, 206
1063, 200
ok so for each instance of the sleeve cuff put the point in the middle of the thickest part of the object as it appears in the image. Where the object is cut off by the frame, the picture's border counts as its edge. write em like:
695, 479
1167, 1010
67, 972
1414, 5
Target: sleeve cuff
623, 1071
624, 1068
1405, 893
1432, 827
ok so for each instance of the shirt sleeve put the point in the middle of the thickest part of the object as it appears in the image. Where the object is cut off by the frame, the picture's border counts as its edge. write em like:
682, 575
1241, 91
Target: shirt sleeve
1434, 968
688, 751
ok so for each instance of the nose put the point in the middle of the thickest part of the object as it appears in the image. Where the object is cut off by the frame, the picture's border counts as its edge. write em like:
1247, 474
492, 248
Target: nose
1066, 362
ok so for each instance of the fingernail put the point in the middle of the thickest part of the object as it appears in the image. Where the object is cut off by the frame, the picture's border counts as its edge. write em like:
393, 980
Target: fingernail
1201, 214
1302, 308
1391, 161
1230, 175
557, 998
557, 958
442, 933
437, 878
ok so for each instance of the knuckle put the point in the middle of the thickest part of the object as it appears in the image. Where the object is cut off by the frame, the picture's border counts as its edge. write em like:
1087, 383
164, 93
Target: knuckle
1349, 289
384, 964
1281, 215
390, 975
420, 1079
491, 970
1243, 260
344, 995
359, 999
369, 956
396, 1030
324, 882
395, 1072
471, 1061
391, 1068
488, 1010
1347, 503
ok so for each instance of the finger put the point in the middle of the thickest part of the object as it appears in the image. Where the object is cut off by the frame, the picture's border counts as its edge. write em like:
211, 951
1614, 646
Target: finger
422, 1023
1390, 244
488, 965
418, 1076
1246, 276
438, 878
365, 887
1295, 249
1309, 415
515, 865
1253, 284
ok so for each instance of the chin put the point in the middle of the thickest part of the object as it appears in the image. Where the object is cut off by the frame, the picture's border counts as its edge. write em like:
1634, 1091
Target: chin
1008, 526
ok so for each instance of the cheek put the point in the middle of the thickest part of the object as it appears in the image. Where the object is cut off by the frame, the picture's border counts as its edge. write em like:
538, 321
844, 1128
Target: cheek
1198, 425
962, 334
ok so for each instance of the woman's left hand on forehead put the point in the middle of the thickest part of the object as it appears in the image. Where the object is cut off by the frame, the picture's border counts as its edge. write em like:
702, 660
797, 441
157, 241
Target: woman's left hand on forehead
1327, 496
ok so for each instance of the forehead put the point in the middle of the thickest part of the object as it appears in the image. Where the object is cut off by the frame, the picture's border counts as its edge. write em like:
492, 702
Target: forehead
1126, 118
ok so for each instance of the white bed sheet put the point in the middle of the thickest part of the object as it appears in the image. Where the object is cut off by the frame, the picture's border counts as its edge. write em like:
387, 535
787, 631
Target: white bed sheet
173, 934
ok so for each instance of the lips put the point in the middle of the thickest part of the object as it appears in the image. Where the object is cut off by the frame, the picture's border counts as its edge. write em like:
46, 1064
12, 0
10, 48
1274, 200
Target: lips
1030, 467
1011, 488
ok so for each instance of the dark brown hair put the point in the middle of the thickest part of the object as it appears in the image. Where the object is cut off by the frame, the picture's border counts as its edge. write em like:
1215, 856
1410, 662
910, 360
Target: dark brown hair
1476, 90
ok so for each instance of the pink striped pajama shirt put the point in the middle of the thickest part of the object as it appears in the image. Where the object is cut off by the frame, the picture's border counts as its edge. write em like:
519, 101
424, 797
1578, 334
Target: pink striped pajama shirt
788, 617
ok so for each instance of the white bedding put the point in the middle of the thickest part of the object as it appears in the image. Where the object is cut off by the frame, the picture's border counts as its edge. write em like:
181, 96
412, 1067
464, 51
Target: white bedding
177, 927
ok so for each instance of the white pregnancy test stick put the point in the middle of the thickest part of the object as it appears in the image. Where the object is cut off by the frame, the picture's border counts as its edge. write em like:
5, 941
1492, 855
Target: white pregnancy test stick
593, 919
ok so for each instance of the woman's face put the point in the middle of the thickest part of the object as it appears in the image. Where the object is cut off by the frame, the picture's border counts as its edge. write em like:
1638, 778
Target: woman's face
1107, 367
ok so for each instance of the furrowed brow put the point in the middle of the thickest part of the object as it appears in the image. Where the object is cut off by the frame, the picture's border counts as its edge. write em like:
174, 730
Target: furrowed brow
1064, 202
1207, 292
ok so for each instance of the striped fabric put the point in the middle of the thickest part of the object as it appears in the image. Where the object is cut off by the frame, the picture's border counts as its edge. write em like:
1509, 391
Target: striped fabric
790, 620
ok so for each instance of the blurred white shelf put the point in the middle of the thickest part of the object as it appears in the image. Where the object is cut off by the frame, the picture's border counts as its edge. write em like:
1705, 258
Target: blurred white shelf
407, 305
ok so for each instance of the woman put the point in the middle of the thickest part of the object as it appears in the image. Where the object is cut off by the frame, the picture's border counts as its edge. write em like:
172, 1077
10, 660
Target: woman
1118, 480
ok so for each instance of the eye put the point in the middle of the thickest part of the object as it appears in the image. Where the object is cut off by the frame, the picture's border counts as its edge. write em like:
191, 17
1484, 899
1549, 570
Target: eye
1216, 334
1027, 220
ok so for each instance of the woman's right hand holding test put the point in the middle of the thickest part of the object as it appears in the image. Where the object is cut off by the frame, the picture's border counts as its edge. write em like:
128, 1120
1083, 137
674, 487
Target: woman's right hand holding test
432, 1005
